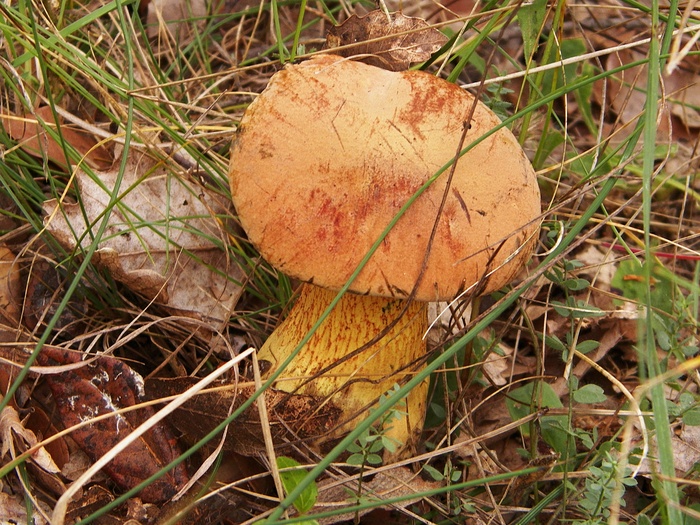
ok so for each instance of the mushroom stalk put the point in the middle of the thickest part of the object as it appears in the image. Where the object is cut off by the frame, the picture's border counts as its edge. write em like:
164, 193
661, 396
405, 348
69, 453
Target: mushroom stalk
329, 368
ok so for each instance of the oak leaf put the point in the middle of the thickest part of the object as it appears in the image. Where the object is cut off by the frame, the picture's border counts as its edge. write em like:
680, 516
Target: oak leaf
104, 386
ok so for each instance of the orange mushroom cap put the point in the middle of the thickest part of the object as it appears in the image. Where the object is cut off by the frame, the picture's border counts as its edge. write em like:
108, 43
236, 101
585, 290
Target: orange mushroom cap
332, 149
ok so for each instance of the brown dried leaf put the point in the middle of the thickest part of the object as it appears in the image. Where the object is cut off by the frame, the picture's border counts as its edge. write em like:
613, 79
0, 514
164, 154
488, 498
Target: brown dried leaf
103, 387
10, 292
626, 96
91, 500
393, 41
12, 429
33, 138
12, 359
683, 88
78, 462
686, 452
14, 510
39, 423
177, 17
627, 90
159, 241
45, 290
291, 417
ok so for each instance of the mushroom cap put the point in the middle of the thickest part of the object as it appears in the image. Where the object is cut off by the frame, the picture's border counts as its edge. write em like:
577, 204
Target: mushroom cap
331, 151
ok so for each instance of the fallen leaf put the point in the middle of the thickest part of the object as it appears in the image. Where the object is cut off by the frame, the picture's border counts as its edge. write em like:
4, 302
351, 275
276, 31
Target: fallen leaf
11, 430
30, 131
627, 90
12, 359
48, 480
45, 290
481, 462
13, 509
685, 439
40, 424
391, 41
291, 417
177, 17
10, 292
161, 238
498, 365
683, 89
686, 455
10, 220
625, 95
598, 265
105, 386
16, 437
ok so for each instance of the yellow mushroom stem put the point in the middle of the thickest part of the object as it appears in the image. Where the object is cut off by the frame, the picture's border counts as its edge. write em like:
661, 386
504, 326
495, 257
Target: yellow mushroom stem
353, 383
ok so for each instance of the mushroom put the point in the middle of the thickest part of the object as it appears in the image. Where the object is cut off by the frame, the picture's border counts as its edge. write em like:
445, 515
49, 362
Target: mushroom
324, 160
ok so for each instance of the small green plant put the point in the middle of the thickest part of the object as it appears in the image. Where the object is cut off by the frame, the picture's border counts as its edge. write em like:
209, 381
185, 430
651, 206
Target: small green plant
367, 449
494, 99
554, 342
534, 396
687, 409
291, 475
572, 307
598, 491
562, 275
449, 473
672, 317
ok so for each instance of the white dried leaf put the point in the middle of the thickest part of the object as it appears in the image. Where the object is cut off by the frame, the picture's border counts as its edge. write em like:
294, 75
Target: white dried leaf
161, 240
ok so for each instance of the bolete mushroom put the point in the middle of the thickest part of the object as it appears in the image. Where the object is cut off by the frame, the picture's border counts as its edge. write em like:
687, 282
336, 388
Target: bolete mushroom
323, 161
